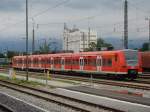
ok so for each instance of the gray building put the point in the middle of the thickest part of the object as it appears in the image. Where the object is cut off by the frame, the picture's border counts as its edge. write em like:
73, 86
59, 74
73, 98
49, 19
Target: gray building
78, 40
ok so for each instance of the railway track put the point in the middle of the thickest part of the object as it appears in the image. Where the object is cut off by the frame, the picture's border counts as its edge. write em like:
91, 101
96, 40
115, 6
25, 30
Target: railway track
137, 84
108, 82
68, 102
5, 108
145, 76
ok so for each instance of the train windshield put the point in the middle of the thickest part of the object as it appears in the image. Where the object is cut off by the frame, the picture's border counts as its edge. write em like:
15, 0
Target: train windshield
131, 57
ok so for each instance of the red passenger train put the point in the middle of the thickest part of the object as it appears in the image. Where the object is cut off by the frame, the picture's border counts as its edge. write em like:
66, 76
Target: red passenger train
146, 61
122, 63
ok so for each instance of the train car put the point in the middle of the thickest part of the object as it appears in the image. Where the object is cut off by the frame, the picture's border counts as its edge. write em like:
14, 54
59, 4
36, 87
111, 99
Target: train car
146, 61
120, 63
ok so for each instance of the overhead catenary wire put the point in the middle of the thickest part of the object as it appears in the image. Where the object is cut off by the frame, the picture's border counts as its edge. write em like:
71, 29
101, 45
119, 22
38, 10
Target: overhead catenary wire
36, 15
117, 24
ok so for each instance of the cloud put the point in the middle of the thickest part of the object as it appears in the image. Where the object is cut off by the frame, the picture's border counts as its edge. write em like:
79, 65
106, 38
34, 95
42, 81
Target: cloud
108, 14
92, 4
11, 5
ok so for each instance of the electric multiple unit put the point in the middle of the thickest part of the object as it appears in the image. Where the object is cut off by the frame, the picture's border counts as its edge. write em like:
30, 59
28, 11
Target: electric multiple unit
122, 63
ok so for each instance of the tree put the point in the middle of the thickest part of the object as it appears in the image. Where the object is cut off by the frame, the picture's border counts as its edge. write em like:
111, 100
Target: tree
11, 54
2, 55
92, 47
98, 47
44, 48
101, 43
145, 47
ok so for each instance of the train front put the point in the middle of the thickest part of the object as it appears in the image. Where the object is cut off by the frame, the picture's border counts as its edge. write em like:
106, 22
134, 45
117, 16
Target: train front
133, 63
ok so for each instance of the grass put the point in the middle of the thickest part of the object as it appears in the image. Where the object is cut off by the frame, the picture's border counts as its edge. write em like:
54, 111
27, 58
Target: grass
23, 82
67, 81
55, 79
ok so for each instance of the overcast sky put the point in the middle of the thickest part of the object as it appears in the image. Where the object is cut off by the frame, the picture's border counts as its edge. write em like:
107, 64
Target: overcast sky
105, 16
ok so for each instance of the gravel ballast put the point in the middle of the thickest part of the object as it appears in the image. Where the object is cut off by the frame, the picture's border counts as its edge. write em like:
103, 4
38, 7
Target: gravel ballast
52, 107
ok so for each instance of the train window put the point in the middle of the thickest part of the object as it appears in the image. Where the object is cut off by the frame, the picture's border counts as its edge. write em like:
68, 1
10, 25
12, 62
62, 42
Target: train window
49, 61
57, 61
109, 62
104, 62
92, 62
80, 62
75, 62
131, 57
85, 61
35, 61
29, 61
52, 61
39, 61
46, 61
68, 62
62, 62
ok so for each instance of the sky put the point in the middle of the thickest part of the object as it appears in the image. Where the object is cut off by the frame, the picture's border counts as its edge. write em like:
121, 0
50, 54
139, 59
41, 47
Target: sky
49, 16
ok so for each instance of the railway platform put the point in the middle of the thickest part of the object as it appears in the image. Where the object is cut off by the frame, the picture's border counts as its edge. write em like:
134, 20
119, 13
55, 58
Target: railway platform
99, 96
131, 97
103, 98
13, 104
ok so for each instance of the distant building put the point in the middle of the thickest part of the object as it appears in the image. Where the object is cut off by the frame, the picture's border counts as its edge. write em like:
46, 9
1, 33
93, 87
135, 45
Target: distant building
78, 40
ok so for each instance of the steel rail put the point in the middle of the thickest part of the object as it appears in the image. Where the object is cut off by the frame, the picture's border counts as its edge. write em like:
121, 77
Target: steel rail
137, 84
5, 108
21, 88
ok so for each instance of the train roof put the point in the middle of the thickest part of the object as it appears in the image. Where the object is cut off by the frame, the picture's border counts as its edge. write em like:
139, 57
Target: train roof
77, 54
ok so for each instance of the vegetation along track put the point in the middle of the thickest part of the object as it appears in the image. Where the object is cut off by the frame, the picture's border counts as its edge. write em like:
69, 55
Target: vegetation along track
108, 82
62, 100
137, 84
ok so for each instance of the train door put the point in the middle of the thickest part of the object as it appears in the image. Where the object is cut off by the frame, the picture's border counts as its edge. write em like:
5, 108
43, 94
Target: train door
62, 63
99, 63
52, 63
81, 63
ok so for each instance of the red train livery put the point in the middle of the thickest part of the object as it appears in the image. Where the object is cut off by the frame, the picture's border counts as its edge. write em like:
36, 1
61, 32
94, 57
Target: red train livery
146, 61
123, 63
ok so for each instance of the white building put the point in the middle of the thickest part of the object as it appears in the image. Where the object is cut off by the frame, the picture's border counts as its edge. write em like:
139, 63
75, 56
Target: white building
78, 40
